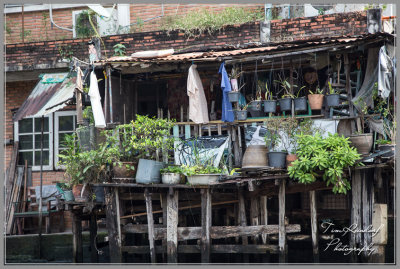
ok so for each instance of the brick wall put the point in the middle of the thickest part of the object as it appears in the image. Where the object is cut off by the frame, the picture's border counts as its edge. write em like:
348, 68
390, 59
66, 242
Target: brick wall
37, 24
353, 23
41, 55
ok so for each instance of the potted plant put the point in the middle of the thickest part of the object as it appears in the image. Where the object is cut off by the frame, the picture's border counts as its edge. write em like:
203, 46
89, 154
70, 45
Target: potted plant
276, 156
172, 174
285, 102
241, 112
148, 138
235, 93
65, 189
269, 103
316, 99
85, 97
121, 152
300, 103
324, 157
202, 174
332, 99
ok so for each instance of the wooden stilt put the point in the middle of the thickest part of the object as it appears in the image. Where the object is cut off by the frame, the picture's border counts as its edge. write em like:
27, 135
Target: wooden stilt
314, 226
112, 226
164, 218
205, 225
243, 222
77, 253
172, 226
150, 224
355, 238
254, 213
282, 228
367, 208
94, 258
264, 216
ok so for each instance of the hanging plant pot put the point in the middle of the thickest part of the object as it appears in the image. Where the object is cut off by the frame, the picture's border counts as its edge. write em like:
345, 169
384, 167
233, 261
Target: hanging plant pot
233, 96
290, 158
332, 100
256, 105
123, 171
316, 101
148, 171
241, 114
171, 178
285, 104
270, 106
277, 159
383, 148
203, 179
255, 157
362, 142
300, 104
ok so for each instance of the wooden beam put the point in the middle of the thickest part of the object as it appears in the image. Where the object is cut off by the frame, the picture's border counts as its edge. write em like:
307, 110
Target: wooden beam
314, 226
150, 224
77, 252
254, 213
205, 225
172, 227
367, 208
264, 216
112, 226
282, 228
243, 221
216, 232
94, 257
355, 238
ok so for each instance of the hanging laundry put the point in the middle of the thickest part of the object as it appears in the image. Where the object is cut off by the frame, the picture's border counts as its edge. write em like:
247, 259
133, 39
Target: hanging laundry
78, 93
385, 73
95, 100
198, 111
227, 111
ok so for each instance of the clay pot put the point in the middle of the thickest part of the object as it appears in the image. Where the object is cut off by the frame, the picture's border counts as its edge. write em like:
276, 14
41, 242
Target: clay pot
362, 142
316, 101
255, 156
290, 158
123, 172
76, 190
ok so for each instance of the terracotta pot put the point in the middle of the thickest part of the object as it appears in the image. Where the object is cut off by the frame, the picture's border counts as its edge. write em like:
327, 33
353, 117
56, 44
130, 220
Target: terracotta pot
76, 190
316, 101
123, 172
362, 142
255, 156
290, 158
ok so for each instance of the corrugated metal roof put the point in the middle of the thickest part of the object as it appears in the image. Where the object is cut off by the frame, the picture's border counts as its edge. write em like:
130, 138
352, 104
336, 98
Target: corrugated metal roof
46, 98
236, 52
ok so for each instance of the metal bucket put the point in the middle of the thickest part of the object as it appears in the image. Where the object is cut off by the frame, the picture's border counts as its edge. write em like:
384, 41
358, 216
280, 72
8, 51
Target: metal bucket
149, 171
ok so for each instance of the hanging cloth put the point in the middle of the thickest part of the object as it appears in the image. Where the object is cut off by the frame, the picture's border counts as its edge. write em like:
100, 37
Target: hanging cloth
198, 111
95, 100
227, 112
78, 94
385, 78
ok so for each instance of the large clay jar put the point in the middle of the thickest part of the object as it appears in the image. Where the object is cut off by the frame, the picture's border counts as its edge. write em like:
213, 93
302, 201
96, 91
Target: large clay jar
362, 142
255, 156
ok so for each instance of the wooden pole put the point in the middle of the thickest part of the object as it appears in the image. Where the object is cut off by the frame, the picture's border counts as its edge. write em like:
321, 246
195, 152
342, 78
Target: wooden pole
367, 208
282, 228
243, 221
254, 212
348, 89
112, 226
264, 216
291, 86
94, 258
150, 224
77, 237
25, 190
164, 222
314, 226
355, 238
206, 210
172, 226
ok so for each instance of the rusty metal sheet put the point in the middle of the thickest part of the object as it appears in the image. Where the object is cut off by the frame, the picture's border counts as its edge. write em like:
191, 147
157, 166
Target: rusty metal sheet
44, 96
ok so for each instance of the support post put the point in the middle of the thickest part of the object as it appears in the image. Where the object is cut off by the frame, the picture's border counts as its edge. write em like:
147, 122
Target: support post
205, 225
355, 238
112, 226
264, 216
150, 224
367, 208
172, 226
243, 222
254, 212
314, 226
282, 228
94, 258
77, 253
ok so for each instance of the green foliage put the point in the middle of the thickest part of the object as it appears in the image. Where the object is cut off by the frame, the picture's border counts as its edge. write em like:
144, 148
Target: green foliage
7, 28
44, 24
317, 91
202, 21
321, 11
172, 169
83, 29
200, 169
83, 166
329, 156
331, 89
88, 114
26, 33
383, 142
374, 6
119, 50
65, 51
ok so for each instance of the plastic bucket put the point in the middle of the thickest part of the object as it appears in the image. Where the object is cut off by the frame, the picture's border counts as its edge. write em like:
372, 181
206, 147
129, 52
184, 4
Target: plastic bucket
149, 171
277, 159
233, 97
171, 178
332, 100
285, 104
300, 104
203, 179
241, 115
68, 196
99, 192
270, 106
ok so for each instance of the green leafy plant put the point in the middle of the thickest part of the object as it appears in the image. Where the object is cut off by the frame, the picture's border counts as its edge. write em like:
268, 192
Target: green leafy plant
119, 50
65, 51
285, 85
328, 156
331, 89
200, 169
383, 142
197, 22
268, 93
83, 29
317, 91
172, 169
235, 73
87, 113
44, 24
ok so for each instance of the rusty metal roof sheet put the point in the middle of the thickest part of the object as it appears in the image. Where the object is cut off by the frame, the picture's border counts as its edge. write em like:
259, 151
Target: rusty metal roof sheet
46, 98
199, 56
